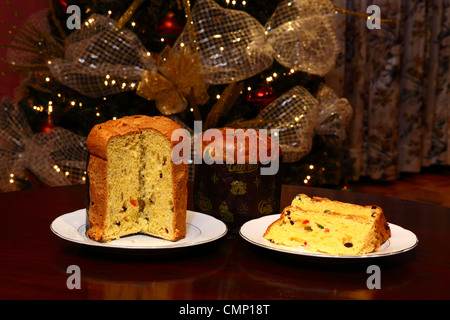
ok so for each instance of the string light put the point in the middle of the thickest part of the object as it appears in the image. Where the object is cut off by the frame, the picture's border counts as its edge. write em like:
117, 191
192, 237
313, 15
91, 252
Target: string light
234, 2
306, 181
58, 169
38, 108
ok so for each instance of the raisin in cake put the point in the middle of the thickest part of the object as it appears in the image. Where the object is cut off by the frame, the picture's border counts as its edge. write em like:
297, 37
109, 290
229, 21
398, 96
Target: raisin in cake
134, 187
332, 227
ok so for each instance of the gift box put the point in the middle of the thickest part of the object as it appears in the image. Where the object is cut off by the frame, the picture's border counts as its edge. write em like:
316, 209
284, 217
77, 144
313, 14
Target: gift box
246, 185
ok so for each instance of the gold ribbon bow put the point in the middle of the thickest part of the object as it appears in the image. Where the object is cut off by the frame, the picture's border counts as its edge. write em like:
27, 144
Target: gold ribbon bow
179, 77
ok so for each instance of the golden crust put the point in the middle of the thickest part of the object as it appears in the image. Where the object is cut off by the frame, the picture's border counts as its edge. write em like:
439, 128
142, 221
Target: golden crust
381, 226
97, 173
98, 138
97, 143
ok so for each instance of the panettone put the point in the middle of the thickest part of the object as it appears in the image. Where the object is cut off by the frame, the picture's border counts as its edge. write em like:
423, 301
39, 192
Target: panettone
240, 176
332, 227
134, 187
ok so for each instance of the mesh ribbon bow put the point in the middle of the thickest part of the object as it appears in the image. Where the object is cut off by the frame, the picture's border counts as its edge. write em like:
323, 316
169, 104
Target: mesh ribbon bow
177, 77
299, 116
102, 60
56, 158
235, 46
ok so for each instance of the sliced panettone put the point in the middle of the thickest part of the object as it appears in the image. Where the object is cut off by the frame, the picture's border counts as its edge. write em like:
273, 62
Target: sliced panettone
134, 187
331, 227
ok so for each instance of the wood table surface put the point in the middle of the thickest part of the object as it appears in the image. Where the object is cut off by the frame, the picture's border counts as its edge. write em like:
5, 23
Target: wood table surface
34, 261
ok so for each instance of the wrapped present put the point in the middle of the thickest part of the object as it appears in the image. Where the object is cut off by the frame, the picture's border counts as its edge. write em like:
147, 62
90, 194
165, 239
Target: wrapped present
238, 189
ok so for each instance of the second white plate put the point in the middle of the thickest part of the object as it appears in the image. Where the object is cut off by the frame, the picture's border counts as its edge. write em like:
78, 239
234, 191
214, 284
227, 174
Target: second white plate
401, 240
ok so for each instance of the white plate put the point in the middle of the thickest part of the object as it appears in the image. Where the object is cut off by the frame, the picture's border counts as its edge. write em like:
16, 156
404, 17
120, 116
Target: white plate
401, 240
201, 228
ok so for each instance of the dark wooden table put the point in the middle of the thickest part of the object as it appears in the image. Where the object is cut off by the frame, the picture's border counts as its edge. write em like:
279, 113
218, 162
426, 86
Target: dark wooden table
34, 261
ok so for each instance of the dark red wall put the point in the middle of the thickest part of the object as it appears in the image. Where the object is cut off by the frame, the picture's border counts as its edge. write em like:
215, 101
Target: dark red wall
25, 8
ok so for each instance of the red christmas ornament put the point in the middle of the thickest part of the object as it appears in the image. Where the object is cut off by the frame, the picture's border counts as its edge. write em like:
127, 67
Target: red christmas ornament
169, 28
62, 5
47, 125
261, 96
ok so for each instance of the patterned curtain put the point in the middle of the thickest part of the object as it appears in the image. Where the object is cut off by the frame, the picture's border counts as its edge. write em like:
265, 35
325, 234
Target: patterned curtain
397, 80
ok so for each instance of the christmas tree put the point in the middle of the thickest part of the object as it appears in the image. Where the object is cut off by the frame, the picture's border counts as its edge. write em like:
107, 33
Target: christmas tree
57, 96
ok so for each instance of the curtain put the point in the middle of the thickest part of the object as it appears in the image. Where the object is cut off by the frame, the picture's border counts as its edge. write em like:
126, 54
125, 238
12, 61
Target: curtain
397, 81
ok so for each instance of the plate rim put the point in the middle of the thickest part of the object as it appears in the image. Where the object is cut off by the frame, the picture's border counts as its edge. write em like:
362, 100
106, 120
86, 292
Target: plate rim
107, 245
288, 250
